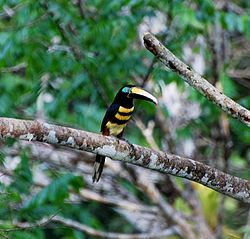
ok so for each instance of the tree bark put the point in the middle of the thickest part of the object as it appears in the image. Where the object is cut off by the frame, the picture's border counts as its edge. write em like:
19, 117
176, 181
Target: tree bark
123, 151
195, 80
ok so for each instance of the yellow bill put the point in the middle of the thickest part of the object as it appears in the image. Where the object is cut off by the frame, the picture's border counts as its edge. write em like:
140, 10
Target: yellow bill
138, 93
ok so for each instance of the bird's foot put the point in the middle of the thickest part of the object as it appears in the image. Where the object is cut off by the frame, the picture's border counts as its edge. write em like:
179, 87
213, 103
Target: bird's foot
126, 140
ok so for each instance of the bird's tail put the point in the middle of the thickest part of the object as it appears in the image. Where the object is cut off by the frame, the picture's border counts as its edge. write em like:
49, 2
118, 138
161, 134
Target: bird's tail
98, 167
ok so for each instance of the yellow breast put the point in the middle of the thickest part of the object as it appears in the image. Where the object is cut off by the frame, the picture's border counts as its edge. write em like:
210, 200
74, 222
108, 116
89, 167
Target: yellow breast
122, 117
119, 122
115, 129
126, 110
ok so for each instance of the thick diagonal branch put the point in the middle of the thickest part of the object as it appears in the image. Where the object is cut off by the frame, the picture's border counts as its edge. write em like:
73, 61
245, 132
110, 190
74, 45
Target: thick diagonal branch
121, 150
195, 80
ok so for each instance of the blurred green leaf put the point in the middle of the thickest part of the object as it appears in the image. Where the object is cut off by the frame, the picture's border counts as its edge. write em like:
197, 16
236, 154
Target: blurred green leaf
2, 157
241, 130
23, 178
56, 191
228, 86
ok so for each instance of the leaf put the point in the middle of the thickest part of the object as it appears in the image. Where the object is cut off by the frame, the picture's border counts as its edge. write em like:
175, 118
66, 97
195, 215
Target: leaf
241, 131
210, 201
56, 192
237, 161
228, 86
2, 157
34, 234
188, 18
23, 174
182, 206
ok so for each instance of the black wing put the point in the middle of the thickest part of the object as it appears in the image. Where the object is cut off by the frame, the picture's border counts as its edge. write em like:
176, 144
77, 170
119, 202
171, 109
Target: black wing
110, 113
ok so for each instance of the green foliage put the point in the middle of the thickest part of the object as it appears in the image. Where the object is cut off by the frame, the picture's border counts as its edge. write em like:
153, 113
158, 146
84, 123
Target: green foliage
229, 86
23, 174
241, 131
56, 192
234, 22
210, 200
182, 206
2, 156
36, 234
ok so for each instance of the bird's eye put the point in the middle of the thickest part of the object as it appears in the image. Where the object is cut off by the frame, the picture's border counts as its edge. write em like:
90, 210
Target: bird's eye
125, 90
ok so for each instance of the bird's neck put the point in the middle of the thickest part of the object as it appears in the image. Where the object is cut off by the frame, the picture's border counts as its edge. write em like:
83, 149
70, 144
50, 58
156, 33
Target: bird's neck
127, 102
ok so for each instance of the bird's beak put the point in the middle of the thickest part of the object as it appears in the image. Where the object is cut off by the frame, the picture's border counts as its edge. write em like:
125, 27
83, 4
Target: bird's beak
138, 93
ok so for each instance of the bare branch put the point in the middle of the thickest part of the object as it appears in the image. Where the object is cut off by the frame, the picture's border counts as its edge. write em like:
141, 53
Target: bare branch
87, 194
125, 204
155, 195
123, 151
89, 230
10, 12
28, 226
195, 80
81, 9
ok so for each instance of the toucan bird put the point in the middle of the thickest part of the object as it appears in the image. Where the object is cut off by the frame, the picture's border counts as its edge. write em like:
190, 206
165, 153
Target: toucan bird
117, 117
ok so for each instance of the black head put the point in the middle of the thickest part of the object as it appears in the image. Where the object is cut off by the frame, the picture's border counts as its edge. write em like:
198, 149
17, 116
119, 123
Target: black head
127, 93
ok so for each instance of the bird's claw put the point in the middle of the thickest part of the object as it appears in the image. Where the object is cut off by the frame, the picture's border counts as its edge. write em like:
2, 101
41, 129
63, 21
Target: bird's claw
125, 140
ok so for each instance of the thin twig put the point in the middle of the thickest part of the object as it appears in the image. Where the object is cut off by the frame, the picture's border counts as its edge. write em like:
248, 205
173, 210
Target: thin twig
29, 226
121, 203
75, 48
32, 23
168, 211
89, 230
149, 71
81, 9
147, 132
166, 208
93, 232
87, 194
13, 10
